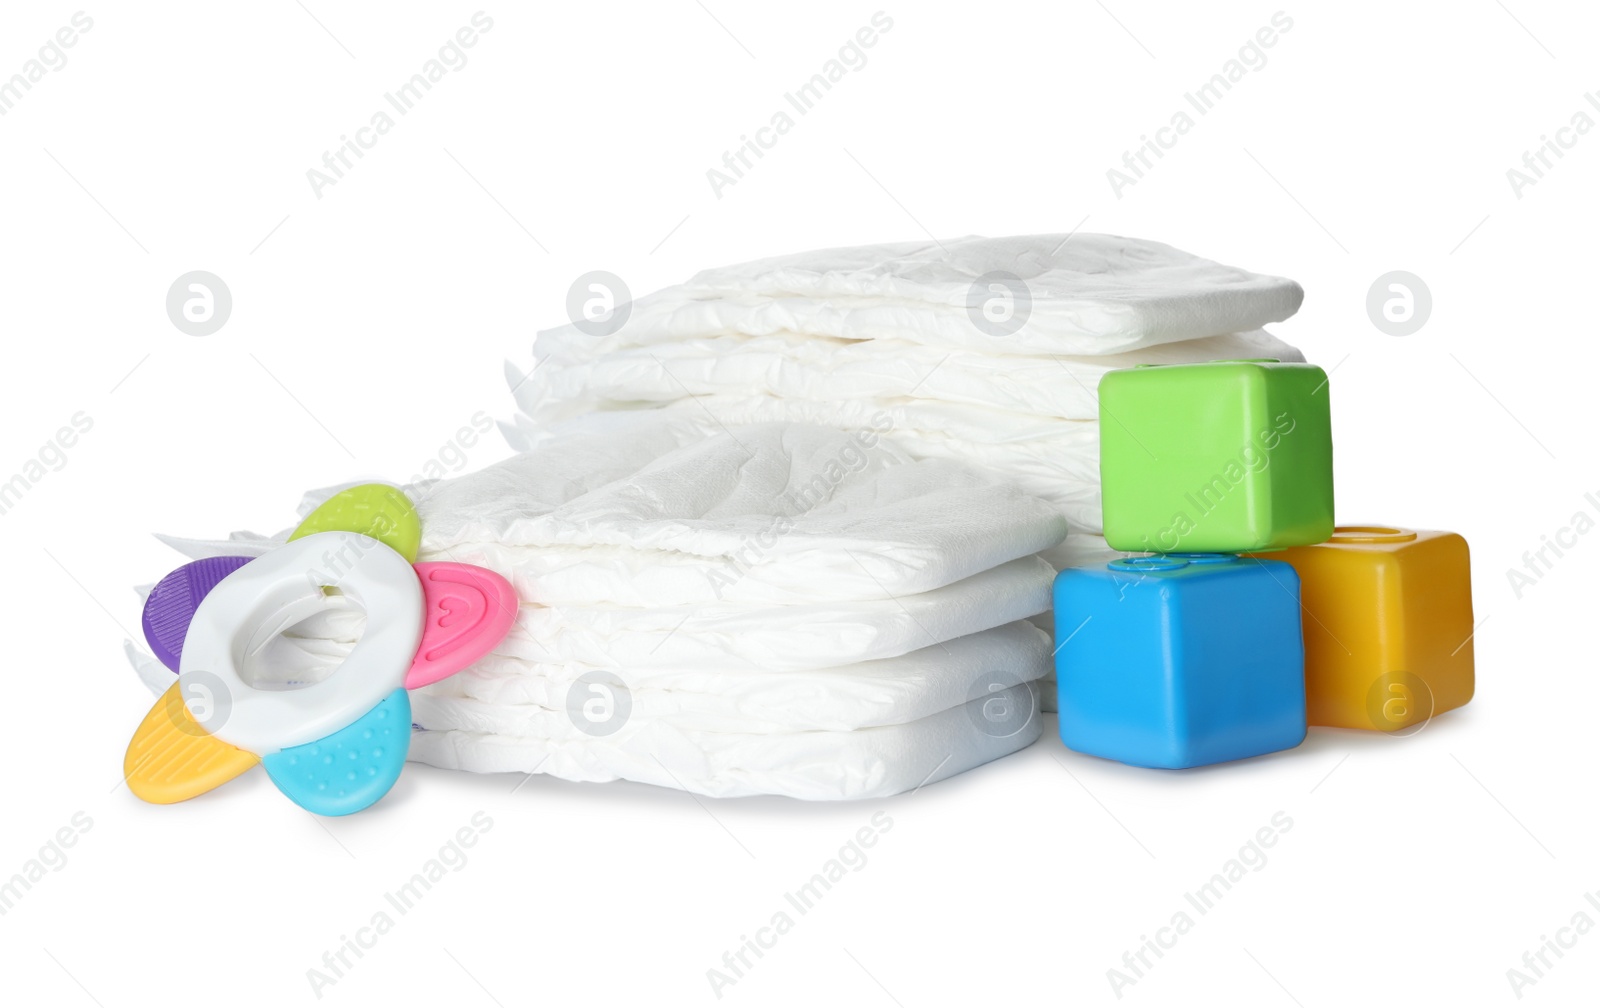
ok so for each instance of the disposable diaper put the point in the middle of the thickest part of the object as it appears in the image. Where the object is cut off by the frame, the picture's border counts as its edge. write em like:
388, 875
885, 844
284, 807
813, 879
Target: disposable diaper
893, 338
718, 637
722, 637
812, 765
515, 696
790, 365
1055, 460
792, 609
666, 515
867, 730
1088, 294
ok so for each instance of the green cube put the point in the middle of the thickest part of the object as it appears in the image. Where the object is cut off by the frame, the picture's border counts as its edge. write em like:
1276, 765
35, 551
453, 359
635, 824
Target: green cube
1220, 457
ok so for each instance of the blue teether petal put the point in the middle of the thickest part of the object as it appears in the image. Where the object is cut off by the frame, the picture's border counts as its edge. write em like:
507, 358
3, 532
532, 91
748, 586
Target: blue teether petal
350, 769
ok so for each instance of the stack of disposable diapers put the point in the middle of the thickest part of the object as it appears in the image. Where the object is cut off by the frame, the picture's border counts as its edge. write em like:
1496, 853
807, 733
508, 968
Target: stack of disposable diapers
773, 609
985, 350
790, 527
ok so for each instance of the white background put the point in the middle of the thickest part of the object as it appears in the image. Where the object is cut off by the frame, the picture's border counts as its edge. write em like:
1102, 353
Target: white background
369, 324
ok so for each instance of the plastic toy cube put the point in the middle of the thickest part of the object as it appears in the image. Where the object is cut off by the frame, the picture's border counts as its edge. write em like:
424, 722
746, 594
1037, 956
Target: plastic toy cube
1388, 626
1180, 661
1225, 456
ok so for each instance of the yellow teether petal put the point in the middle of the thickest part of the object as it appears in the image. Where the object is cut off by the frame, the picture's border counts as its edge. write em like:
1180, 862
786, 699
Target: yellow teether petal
172, 758
371, 509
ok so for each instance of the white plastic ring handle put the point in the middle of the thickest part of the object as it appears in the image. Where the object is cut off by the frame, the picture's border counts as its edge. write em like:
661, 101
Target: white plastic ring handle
260, 600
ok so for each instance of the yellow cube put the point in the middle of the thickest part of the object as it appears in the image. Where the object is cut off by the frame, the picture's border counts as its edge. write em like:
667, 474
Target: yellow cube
1387, 618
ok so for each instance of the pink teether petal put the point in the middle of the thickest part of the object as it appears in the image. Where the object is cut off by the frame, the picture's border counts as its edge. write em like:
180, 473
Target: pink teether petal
466, 612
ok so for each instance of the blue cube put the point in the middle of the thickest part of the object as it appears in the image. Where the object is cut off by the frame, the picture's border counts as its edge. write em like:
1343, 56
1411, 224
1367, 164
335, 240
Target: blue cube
1180, 660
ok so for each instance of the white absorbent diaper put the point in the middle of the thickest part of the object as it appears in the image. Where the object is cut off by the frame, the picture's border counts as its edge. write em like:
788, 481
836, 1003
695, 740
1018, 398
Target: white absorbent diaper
1055, 460
812, 765
568, 381
515, 694
1088, 294
867, 730
719, 637
790, 609
671, 514
895, 338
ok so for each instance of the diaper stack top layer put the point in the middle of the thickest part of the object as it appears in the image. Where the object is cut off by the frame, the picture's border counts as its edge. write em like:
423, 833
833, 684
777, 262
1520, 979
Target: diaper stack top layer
985, 350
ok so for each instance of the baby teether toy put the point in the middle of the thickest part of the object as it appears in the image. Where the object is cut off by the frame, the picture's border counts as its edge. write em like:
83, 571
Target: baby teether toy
333, 746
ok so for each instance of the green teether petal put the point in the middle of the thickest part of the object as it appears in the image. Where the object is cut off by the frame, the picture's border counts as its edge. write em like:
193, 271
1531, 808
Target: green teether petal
371, 509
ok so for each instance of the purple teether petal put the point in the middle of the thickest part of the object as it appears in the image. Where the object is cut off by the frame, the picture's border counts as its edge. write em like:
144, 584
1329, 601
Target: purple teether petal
174, 599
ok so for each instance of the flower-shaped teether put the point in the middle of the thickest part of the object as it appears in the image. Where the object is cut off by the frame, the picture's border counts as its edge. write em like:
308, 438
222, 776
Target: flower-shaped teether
336, 745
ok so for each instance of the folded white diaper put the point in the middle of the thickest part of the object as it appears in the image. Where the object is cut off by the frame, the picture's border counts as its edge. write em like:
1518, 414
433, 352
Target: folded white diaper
791, 609
515, 694
889, 337
568, 381
811, 765
867, 730
1055, 460
721, 636
1088, 294
668, 515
